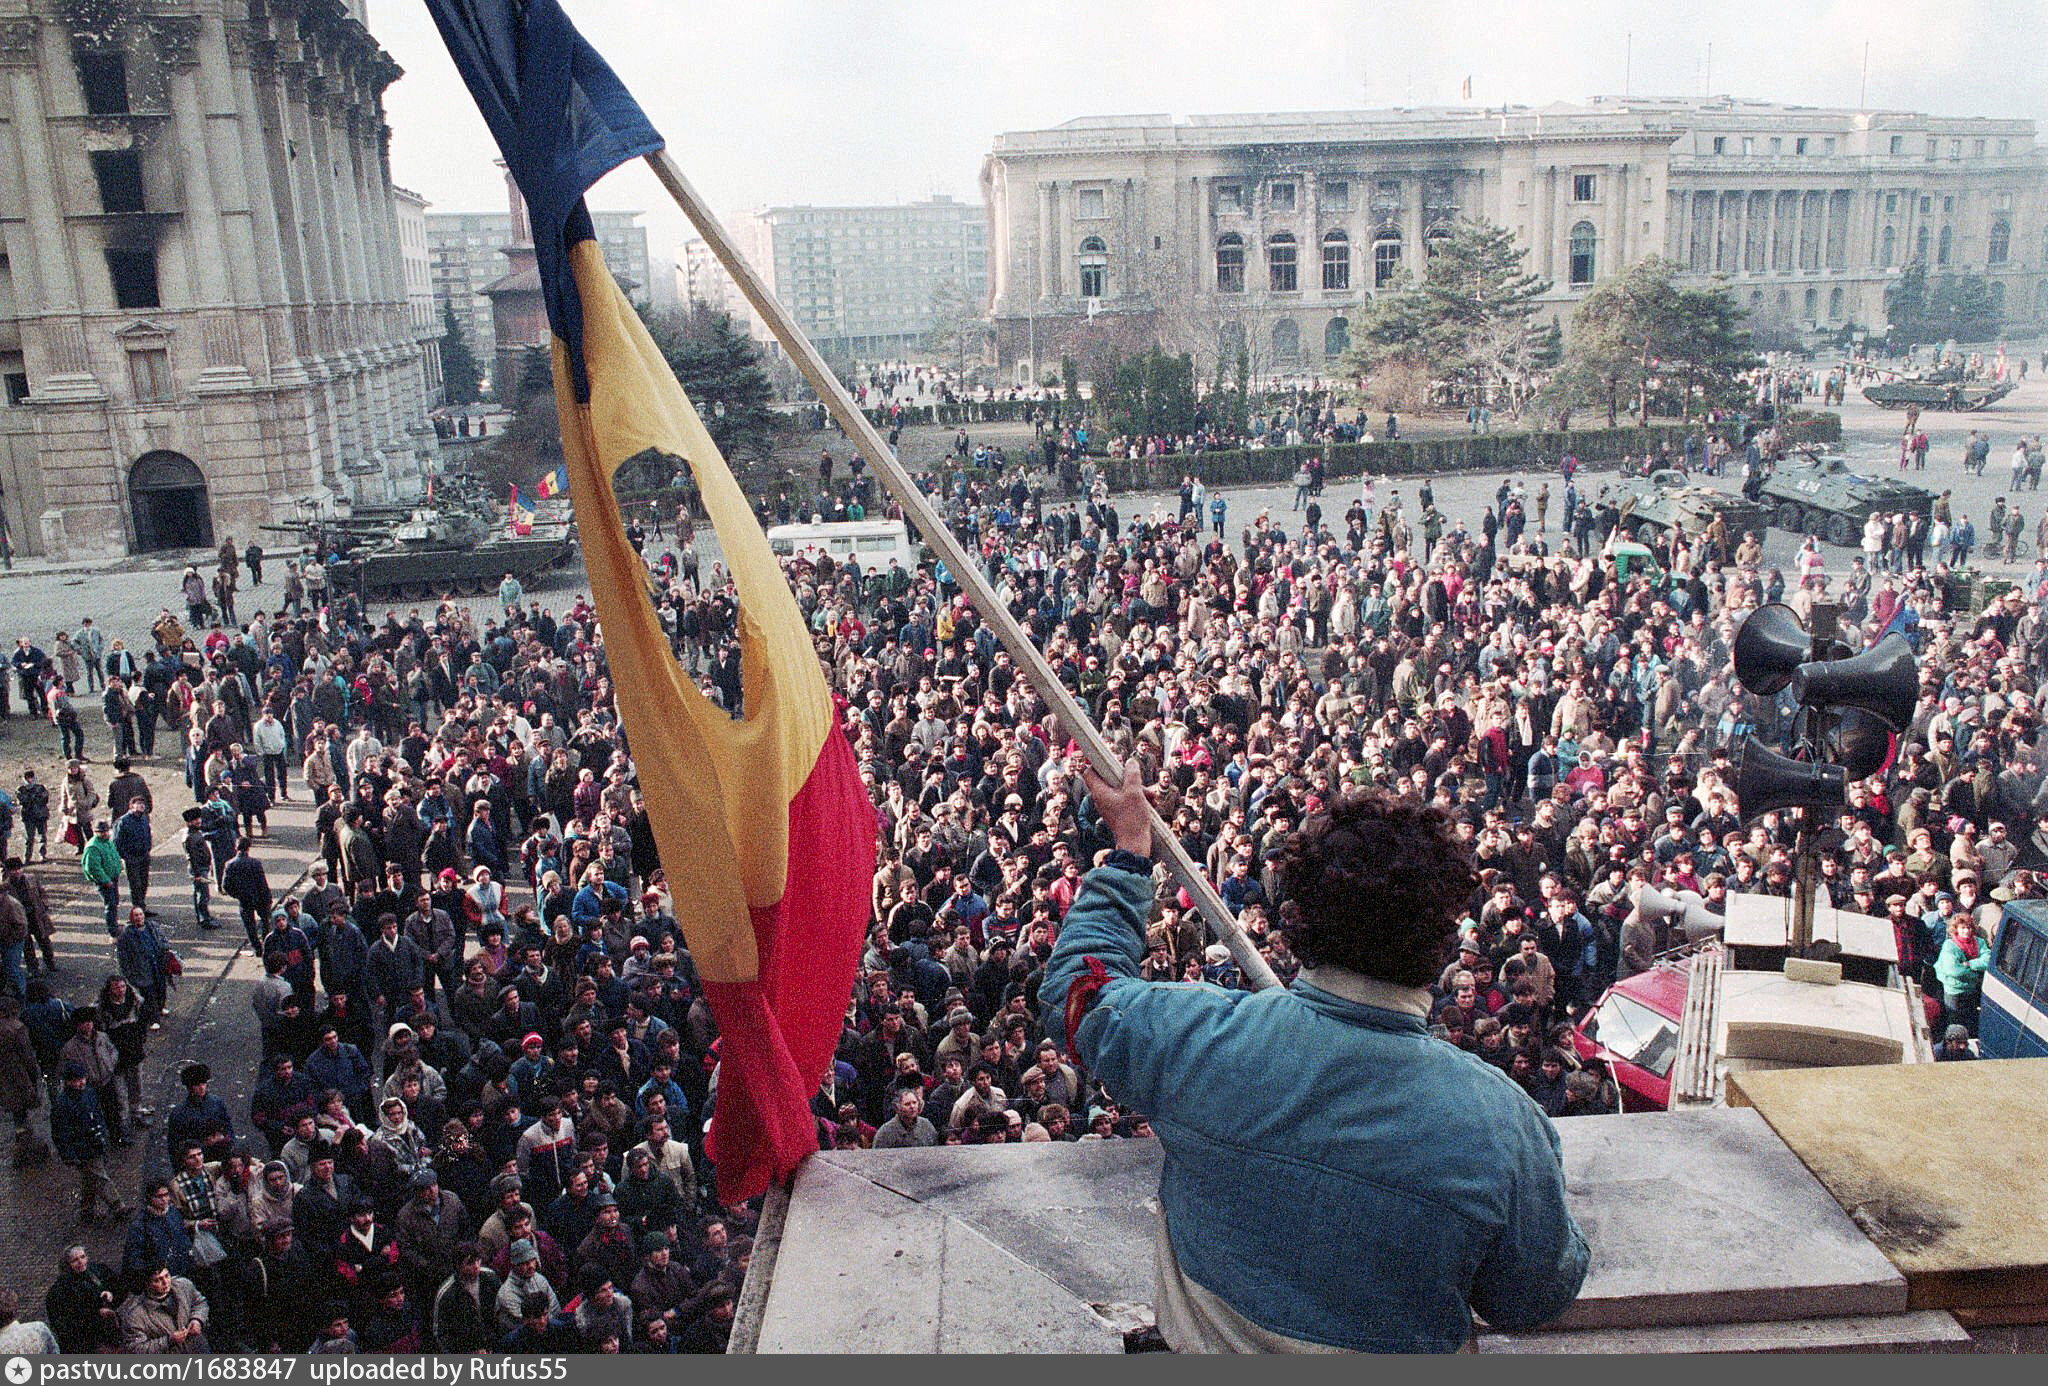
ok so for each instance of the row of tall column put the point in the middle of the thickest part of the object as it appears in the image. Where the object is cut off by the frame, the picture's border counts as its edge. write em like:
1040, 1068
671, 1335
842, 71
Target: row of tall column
338, 321
1798, 229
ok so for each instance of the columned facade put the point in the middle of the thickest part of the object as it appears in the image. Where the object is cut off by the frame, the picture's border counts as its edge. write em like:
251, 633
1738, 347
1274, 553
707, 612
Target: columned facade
202, 263
1147, 228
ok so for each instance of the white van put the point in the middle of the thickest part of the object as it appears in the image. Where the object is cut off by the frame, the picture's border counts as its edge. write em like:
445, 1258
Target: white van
870, 543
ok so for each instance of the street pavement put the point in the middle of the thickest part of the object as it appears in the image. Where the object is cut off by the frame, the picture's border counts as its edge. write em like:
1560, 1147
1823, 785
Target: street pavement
208, 1015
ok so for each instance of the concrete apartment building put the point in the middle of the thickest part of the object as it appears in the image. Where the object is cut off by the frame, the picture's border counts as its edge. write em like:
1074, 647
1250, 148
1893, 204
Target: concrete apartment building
1278, 229
421, 310
859, 280
203, 316
468, 255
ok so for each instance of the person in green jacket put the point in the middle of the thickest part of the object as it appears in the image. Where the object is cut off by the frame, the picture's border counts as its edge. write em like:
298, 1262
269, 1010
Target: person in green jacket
1960, 970
103, 868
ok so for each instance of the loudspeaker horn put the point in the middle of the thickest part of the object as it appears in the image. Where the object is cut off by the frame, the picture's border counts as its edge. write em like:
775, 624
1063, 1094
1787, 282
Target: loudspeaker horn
1766, 781
1883, 681
1769, 647
1685, 908
1860, 743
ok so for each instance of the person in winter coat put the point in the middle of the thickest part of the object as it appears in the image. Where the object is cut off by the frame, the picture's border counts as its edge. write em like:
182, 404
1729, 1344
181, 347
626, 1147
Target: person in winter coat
398, 1135
168, 1314
244, 881
101, 863
76, 799
80, 1134
92, 1051
1960, 969
81, 1303
21, 1085
145, 957
124, 1020
465, 1307
158, 1235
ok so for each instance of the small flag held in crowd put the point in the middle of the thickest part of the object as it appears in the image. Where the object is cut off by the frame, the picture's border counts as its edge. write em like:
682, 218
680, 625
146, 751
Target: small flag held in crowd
555, 483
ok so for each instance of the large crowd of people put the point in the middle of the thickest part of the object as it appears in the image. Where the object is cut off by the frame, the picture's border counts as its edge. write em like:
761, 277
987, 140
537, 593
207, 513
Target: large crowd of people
487, 1064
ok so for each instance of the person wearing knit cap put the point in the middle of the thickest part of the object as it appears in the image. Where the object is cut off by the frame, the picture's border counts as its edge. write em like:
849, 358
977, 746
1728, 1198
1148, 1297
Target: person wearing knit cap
525, 1279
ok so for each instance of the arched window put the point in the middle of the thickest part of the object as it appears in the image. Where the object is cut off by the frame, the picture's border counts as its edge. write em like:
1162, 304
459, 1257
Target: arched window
1582, 246
1431, 239
1286, 343
1386, 258
1230, 343
2000, 249
1834, 305
1336, 261
1812, 304
1887, 247
1920, 246
1945, 245
1280, 264
1756, 299
1230, 263
1998, 296
1336, 338
1094, 268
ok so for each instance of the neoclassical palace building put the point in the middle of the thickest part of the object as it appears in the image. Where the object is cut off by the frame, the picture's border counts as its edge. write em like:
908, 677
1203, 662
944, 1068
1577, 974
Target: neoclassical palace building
203, 306
1280, 228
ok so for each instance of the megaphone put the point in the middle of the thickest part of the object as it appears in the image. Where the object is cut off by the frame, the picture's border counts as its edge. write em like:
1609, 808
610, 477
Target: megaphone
1769, 647
1684, 909
1766, 781
1883, 681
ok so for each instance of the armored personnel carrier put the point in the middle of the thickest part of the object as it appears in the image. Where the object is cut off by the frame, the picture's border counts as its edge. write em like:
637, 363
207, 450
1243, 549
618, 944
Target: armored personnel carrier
1945, 390
1819, 493
450, 545
1645, 507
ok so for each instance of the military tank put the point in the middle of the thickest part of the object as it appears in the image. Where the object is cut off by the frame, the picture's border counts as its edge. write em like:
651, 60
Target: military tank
1821, 493
1645, 507
453, 544
1943, 390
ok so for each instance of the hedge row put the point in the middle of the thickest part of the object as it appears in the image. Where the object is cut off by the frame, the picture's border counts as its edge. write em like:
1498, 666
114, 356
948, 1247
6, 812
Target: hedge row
1464, 453
969, 411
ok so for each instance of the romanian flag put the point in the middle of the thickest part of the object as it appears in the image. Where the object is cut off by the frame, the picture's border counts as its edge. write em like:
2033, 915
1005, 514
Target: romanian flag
520, 515
764, 827
555, 483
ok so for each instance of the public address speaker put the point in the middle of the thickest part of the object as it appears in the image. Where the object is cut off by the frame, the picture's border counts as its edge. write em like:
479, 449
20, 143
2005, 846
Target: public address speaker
1766, 782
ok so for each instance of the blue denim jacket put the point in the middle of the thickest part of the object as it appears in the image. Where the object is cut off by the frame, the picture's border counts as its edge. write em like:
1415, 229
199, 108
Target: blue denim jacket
1332, 1172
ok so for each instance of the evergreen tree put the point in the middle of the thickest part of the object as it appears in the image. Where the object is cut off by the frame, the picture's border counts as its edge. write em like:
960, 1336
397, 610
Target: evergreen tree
1467, 319
460, 374
720, 369
1941, 308
1644, 340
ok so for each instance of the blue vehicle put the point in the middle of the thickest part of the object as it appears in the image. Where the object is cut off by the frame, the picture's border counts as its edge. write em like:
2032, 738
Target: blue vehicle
2012, 1022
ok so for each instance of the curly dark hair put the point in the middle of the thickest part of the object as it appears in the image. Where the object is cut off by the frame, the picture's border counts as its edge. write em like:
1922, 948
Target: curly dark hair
1378, 881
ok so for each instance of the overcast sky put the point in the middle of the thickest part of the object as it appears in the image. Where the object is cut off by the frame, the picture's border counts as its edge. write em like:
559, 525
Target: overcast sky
784, 101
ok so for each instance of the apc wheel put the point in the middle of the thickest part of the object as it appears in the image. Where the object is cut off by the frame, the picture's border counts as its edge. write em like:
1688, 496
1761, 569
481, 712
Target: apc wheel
1646, 534
1840, 529
1791, 517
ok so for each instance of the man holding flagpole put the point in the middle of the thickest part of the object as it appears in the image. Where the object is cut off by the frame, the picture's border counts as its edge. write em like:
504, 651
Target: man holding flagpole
1335, 1179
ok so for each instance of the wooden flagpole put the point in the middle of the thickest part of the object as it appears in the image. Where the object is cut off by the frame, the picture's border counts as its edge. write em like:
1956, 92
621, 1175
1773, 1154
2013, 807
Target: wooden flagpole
966, 571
